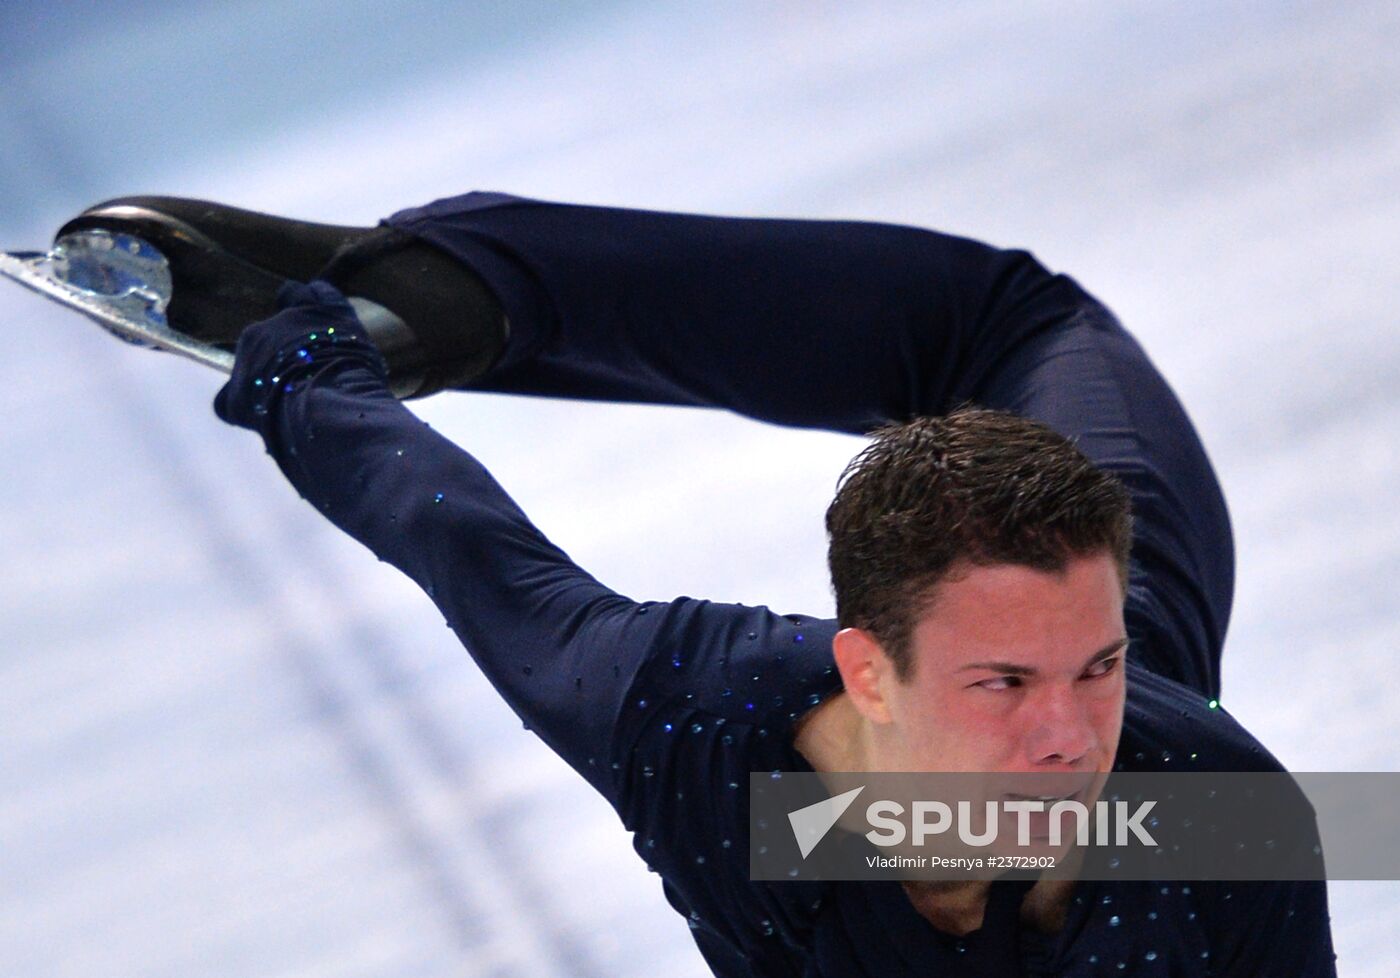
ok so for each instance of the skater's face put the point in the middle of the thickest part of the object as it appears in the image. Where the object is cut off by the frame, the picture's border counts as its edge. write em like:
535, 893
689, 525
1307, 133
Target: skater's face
1013, 670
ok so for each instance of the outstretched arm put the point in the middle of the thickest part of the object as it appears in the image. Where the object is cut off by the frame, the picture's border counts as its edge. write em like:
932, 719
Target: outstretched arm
564, 651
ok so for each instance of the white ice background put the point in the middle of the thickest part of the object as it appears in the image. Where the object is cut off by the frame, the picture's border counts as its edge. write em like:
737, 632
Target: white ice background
232, 743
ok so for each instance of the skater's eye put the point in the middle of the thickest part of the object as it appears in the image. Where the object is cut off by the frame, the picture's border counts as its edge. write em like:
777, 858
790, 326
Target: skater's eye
999, 683
1102, 668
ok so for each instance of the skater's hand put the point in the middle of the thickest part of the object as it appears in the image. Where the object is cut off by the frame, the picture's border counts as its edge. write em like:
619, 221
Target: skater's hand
314, 336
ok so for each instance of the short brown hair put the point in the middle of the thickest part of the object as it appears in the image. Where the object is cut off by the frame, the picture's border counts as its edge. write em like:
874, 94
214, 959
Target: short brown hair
976, 486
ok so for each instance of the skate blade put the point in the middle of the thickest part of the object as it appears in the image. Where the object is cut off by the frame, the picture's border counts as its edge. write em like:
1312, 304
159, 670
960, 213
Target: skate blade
117, 280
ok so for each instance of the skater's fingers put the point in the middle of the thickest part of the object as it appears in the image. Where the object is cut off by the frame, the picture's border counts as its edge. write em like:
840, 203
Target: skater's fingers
317, 293
222, 406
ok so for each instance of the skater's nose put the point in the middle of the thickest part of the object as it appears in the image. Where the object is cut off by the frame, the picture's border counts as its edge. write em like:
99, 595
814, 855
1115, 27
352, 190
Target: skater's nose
1062, 731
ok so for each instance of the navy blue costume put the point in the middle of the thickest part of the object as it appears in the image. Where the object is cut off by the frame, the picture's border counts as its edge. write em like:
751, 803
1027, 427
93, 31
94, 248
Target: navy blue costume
666, 707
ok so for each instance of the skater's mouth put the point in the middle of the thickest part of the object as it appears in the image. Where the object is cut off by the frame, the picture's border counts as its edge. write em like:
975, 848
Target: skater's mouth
1049, 787
1078, 790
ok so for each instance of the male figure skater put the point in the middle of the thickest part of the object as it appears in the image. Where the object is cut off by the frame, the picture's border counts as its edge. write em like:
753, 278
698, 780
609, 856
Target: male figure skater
999, 608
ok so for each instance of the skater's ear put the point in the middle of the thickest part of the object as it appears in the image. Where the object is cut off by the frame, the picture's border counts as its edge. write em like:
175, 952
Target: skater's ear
866, 672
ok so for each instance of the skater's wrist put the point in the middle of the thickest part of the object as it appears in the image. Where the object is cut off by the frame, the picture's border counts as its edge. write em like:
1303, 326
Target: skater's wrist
315, 339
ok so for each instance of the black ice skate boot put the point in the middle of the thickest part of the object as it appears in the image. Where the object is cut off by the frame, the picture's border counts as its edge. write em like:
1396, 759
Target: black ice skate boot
434, 321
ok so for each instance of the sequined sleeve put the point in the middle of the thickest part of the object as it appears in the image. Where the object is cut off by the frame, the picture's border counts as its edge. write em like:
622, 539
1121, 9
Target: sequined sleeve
601, 678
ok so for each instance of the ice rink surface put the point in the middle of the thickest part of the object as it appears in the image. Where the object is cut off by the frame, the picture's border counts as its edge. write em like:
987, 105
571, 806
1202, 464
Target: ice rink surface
233, 744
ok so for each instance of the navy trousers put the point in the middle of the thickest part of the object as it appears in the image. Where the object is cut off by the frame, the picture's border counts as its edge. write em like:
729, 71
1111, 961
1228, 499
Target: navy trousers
844, 326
